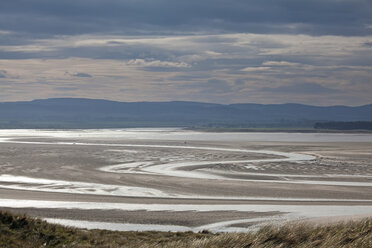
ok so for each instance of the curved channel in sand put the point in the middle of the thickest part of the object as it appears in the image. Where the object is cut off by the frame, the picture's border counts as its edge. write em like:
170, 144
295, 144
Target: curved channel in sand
174, 169
290, 212
184, 169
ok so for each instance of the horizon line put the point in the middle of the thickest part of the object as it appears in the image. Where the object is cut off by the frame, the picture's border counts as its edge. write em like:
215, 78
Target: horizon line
170, 101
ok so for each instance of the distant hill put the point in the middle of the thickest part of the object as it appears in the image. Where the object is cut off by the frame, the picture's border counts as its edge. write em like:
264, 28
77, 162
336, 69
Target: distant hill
91, 113
341, 125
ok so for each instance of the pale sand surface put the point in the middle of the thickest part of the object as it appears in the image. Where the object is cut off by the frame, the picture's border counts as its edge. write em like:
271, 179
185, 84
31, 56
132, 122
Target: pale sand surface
183, 218
339, 175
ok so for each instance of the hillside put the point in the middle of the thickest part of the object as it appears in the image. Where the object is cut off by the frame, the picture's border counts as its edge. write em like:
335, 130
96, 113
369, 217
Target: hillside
91, 113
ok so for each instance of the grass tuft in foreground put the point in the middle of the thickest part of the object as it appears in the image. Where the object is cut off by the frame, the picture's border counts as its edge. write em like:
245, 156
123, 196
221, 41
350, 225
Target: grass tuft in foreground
22, 231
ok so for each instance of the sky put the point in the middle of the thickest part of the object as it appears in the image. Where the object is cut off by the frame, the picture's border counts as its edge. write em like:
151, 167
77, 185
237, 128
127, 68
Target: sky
316, 52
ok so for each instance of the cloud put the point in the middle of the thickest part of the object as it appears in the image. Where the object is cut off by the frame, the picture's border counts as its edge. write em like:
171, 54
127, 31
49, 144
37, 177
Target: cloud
80, 74
66, 88
279, 63
239, 82
215, 50
317, 17
189, 77
210, 87
156, 63
3, 74
303, 88
254, 69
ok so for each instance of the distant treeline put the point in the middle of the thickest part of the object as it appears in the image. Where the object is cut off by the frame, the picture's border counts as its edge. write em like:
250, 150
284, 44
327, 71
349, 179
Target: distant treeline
338, 125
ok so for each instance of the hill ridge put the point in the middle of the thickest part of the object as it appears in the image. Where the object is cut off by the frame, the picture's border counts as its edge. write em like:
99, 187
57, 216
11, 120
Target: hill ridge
101, 113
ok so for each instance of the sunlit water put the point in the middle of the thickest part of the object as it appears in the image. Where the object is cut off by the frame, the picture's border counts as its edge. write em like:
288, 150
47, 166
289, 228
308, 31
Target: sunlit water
87, 137
186, 135
295, 212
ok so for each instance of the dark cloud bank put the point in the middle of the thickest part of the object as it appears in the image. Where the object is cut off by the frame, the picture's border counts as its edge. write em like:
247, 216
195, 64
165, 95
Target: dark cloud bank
317, 17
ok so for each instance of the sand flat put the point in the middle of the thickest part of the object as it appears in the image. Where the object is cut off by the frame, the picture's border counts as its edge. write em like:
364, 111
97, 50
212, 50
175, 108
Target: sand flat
178, 169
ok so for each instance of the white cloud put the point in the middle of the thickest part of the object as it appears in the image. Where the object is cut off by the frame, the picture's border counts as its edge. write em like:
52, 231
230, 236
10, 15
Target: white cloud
213, 53
249, 69
280, 63
156, 63
5, 32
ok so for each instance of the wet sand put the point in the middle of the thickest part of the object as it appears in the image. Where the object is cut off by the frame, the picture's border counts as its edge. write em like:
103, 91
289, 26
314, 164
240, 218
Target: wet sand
182, 218
212, 173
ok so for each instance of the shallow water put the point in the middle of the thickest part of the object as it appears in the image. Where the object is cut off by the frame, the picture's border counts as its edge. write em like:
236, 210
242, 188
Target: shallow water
186, 135
296, 212
113, 139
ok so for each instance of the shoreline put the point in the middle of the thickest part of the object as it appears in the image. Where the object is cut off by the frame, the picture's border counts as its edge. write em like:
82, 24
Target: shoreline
201, 129
276, 130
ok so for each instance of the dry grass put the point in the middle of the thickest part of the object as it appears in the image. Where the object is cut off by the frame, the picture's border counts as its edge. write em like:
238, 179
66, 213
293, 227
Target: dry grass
352, 234
22, 231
